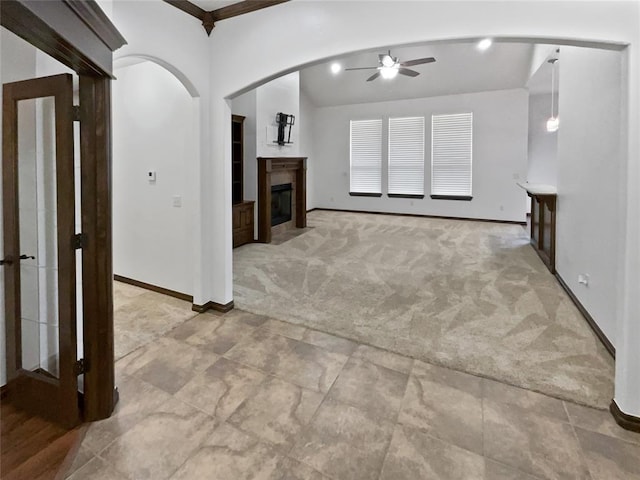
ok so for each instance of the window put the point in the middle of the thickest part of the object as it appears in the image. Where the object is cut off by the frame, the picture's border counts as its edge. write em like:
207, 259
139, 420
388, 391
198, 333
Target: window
406, 157
366, 158
451, 147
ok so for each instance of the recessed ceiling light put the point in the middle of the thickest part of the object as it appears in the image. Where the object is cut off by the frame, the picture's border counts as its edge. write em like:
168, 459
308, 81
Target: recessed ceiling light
484, 44
336, 68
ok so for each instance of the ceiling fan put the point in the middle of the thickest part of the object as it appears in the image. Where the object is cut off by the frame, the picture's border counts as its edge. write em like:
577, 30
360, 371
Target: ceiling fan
389, 66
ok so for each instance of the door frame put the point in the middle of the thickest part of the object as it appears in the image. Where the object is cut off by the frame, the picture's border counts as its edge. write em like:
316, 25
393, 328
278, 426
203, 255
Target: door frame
81, 36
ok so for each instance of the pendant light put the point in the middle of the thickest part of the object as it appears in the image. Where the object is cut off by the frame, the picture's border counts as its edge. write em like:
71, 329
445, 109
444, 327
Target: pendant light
553, 123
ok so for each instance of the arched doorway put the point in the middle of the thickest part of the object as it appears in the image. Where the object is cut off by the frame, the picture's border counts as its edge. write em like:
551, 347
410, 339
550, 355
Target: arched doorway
155, 169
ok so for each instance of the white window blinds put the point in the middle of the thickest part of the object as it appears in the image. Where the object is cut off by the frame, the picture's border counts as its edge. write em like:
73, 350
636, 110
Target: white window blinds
366, 156
406, 156
451, 147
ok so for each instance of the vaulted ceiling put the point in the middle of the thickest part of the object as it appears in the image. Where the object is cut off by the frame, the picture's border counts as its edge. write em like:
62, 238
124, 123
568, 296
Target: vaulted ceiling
459, 68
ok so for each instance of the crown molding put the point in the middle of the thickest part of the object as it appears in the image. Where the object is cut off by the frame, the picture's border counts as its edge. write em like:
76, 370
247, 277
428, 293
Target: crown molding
209, 18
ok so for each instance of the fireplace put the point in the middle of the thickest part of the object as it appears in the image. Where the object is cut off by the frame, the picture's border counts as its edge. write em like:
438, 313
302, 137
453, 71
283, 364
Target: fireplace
280, 204
273, 173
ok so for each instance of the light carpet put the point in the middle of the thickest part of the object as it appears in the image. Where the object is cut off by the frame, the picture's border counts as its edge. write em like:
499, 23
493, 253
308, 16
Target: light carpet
472, 296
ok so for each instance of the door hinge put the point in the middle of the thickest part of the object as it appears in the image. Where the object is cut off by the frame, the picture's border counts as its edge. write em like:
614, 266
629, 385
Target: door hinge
76, 113
79, 241
80, 367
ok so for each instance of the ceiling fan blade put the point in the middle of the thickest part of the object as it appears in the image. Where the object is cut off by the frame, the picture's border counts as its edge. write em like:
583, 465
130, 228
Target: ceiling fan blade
360, 68
374, 76
408, 72
417, 61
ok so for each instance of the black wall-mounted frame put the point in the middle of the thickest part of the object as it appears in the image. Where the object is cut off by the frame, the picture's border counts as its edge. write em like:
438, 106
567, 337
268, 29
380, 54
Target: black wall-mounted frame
284, 120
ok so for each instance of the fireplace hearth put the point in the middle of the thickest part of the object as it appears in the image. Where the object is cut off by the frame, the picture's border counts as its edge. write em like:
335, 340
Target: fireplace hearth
280, 204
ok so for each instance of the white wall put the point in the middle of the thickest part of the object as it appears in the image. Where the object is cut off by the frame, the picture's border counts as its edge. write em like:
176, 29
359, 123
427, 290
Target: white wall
499, 155
279, 95
589, 180
153, 129
538, 56
307, 129
144, 25
542, 166
627, 384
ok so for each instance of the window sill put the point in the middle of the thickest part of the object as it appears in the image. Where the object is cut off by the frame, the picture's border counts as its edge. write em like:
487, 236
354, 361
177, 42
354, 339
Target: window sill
451, 197
403, 195
356, 194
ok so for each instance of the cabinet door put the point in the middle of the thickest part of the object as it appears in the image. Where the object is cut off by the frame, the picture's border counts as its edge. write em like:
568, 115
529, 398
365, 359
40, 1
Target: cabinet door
237, 216
535, 221
545, 240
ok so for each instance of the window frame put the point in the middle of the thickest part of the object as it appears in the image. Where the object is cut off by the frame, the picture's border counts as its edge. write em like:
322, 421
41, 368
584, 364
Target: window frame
352, 191
406, 194
452, 195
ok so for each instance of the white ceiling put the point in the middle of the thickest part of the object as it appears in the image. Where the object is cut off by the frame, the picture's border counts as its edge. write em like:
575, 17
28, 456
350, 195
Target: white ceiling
459, 68
540, 82
209, 5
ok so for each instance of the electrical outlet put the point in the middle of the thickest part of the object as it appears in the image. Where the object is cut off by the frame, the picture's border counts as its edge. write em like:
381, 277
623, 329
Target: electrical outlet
177, 201
583, 279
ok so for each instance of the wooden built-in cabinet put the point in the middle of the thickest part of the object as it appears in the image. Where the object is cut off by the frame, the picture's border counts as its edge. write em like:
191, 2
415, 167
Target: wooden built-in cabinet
243, 219
237, 158
543, 221
543, 228
243, 223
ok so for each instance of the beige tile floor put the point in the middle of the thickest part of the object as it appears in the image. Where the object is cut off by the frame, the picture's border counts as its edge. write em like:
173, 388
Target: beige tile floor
242, 396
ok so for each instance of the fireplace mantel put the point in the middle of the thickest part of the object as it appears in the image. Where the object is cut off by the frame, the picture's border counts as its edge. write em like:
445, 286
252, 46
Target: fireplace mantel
271, 165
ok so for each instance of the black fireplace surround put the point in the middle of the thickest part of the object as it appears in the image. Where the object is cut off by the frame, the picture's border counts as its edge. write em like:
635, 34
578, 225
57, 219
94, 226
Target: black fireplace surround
280, 203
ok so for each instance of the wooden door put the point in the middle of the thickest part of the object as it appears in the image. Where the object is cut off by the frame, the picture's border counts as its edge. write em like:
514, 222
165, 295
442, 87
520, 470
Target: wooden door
39, 247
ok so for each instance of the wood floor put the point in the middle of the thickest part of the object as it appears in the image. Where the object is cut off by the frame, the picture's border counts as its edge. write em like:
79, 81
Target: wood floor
34, 449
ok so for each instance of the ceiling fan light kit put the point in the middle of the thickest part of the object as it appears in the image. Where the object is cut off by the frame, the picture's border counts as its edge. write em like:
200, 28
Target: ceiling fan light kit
389, 72
388, 60
389, 67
